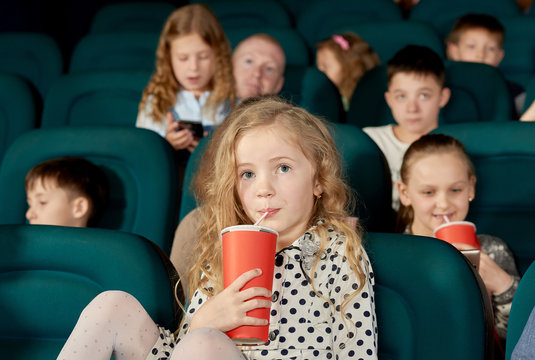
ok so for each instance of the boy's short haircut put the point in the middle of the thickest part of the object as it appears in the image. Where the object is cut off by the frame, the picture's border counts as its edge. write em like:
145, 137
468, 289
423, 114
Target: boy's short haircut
77, 176
476, 21
415, 59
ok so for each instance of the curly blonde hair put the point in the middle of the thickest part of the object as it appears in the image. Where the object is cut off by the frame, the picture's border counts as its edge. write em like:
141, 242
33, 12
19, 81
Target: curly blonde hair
355, 61
163, 85
215, 185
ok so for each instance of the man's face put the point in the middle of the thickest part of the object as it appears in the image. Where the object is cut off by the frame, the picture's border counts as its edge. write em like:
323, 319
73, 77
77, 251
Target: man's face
258, 68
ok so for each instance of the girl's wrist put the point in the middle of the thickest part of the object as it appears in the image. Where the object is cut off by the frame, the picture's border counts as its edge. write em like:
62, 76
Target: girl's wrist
506, 295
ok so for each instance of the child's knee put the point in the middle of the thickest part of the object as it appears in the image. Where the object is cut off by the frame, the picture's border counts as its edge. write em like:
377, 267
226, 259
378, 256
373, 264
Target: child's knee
110, 304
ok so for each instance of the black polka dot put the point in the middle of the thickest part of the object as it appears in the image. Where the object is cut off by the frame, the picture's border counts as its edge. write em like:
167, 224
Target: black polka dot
273, 312
360, 342
291, 329
310, 329
365, 295
284, 352
282, 339
317, 313
264, 352
294, 292
301, 339
319, 339
154, 351
366, 314
278, 275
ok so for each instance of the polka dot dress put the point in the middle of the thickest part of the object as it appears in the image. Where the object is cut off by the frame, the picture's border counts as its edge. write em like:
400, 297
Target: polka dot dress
304, 325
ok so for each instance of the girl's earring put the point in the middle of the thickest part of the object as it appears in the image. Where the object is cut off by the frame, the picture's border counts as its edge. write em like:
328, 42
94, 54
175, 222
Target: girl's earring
470, 199
318, 196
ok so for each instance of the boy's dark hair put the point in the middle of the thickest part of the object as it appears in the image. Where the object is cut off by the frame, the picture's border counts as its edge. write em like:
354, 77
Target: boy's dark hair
77, 175
416, 59
476, 21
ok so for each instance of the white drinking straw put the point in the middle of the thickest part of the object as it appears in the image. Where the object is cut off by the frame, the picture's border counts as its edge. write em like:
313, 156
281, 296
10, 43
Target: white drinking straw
261, 218
446, 218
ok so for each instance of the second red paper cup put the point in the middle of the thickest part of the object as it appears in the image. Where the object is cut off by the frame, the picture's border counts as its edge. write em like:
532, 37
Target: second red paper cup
247, 247
460, 232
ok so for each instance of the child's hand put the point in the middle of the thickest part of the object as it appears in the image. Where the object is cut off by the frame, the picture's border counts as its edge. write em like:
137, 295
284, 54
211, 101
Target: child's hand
193, 145
227, 310
179, 139
529, 115
495, 278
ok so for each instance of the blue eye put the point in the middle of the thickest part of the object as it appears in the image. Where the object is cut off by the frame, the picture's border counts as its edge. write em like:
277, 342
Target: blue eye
247, 175
284, 169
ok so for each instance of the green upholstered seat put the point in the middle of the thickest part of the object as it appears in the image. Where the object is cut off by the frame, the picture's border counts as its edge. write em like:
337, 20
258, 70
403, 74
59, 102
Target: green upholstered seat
523, 304
368, 175
95, 98
115, 51
293, 43
17, 110
34, 56
239, 13
388, 37
442, 14
504, 157
311, 89
518, 64
319, 17
48, 274
364, 167
488, 87
140, 168
430, 303
479, 93
142, 16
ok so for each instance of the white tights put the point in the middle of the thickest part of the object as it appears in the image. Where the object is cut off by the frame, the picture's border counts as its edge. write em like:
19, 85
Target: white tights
115, 323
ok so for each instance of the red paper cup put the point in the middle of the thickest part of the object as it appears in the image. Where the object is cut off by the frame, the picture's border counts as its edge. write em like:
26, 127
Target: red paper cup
458, 232
247, 247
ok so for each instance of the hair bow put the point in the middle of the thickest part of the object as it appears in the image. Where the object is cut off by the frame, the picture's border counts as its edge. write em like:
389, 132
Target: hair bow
339, 39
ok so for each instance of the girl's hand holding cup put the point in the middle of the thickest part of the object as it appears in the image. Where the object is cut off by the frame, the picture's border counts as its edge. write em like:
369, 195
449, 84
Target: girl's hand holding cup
228, 309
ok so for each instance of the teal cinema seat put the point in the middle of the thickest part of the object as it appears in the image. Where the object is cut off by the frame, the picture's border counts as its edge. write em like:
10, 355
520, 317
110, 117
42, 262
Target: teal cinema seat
139, 165
95, 98
35, 57
48, 274
318, 18
141, 16
442, 14
239, 13
129, 51
17, 110
430, 302
479, 93
523, 304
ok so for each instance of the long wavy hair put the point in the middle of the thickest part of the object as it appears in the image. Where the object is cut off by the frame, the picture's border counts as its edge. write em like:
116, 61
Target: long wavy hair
355, 61
163, 85
430, 144
220, 207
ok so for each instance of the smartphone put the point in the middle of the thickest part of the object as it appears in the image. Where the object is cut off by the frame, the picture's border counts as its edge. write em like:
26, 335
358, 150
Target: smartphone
194, 126
473, 256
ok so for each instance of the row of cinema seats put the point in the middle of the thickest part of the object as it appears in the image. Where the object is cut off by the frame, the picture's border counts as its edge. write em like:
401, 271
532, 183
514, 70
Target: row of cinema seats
48, 274
479, 94
378, 22
124, 37
142, 175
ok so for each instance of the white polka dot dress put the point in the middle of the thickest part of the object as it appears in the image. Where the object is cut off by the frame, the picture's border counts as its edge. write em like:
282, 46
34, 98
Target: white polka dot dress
303, 325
